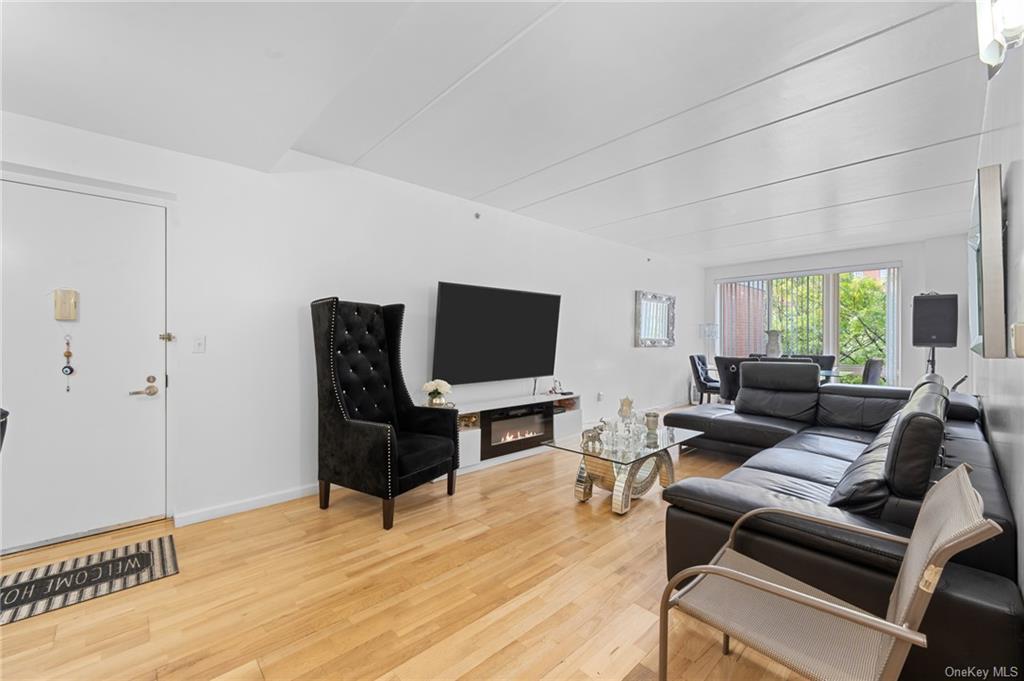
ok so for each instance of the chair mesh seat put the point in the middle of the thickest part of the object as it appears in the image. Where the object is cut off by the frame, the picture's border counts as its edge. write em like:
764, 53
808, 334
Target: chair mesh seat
813, 643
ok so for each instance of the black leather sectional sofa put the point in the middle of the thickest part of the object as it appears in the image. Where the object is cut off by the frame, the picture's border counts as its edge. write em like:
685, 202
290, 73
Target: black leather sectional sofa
863, 455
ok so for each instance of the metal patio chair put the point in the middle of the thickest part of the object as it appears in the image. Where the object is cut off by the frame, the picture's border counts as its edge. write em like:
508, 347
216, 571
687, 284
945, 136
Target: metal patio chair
812, 632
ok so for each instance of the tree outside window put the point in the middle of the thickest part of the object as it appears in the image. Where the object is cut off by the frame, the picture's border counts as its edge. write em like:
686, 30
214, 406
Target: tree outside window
862, 319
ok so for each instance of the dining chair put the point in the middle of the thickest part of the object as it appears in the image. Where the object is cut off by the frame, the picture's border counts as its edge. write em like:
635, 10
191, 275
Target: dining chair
706, 385
872, 372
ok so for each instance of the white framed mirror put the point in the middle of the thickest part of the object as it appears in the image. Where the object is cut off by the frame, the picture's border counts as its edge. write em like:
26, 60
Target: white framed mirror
654, 320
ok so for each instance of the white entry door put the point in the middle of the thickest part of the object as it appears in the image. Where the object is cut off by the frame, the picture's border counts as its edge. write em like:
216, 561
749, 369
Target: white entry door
81, 460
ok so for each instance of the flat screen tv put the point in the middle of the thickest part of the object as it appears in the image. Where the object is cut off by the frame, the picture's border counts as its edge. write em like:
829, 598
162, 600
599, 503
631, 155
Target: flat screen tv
494, 334
986, 265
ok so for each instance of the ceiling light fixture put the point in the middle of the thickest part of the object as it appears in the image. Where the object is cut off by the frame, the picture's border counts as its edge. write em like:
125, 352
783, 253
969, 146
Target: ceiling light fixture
1000, 27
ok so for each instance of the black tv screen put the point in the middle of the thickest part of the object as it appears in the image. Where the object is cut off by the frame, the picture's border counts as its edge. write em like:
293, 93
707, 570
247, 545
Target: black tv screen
494, 334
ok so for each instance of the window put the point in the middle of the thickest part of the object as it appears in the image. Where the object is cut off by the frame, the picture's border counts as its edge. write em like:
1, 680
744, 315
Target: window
866, 322
850, 314
792, 305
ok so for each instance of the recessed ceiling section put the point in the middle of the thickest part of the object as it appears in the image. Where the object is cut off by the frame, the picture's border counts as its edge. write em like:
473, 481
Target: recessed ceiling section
237, 82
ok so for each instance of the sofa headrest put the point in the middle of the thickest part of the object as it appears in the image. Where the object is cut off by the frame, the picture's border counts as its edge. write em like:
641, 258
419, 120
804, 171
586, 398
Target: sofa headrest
886, 392
860, 407
929, 378
915, 438
780, 376
964, 407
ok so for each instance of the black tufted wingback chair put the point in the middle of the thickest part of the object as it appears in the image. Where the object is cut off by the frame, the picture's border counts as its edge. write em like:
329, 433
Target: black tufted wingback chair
372, 437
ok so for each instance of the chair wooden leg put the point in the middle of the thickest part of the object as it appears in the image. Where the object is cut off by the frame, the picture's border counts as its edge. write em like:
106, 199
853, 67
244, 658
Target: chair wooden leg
389, 513
725, 644
451, 482
325, 494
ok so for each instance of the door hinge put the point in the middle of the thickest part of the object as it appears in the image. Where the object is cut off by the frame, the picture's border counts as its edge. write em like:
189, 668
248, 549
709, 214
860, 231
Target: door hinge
167, 381
167, 337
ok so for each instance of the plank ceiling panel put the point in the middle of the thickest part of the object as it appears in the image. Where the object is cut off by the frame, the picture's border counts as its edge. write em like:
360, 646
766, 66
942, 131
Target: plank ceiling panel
828, 223
429, 50
592, 71
880, 234
929, 108
863, 66
946, 166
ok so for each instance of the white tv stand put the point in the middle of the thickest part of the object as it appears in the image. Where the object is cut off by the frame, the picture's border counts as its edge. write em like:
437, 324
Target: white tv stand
568, 419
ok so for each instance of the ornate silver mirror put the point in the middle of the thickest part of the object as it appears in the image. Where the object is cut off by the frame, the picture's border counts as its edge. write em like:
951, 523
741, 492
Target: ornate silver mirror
655, 320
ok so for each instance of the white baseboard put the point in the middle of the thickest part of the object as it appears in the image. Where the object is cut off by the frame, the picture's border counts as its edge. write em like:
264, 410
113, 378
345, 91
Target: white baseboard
230, 508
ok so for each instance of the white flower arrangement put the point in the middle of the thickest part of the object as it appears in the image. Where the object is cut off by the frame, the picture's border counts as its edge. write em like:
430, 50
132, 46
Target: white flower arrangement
437, 388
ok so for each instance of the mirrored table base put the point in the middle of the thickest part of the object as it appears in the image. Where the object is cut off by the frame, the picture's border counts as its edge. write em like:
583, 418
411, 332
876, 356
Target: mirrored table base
625, 481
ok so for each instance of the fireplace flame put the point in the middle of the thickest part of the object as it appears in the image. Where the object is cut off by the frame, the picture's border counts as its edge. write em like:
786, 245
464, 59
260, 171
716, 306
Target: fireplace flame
518, 435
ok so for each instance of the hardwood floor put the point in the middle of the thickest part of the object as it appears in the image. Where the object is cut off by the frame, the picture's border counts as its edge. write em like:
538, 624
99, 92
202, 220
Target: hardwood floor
509, 579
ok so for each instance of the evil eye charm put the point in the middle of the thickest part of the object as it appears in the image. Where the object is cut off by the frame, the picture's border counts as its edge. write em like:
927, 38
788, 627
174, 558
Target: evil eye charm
67, 369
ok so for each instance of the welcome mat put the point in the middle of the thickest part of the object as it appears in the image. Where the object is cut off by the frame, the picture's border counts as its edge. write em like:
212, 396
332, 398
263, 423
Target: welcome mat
49, 587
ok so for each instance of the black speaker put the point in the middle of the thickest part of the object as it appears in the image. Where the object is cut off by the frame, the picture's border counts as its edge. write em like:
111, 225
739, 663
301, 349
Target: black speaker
935, 320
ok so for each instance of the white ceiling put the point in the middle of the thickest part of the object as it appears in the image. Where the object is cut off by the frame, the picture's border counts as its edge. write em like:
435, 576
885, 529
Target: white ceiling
719, 131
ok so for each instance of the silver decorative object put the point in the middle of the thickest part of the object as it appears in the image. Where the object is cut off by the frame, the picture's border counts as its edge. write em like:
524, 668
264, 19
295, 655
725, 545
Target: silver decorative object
590, 439
625, 408
654, 322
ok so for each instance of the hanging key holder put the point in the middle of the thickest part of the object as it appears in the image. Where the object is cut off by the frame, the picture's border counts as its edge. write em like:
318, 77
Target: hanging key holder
67, 369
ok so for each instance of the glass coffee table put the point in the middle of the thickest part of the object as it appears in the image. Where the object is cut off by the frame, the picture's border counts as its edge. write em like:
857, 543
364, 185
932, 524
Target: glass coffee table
627, 472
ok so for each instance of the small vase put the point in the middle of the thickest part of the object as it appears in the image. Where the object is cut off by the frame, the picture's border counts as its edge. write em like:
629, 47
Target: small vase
436, 401
774, 348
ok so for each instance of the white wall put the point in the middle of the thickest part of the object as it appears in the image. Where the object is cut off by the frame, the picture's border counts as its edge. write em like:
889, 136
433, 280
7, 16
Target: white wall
247, 251
938, 264
1000, 382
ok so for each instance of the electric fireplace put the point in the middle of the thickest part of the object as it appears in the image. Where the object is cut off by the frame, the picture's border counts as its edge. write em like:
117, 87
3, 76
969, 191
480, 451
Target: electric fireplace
503, 431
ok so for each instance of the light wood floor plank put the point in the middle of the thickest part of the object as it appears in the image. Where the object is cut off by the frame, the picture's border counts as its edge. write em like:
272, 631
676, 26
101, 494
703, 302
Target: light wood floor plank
509, 579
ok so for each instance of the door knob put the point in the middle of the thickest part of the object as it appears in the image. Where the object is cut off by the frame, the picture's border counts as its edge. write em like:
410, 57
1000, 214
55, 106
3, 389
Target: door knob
148, 390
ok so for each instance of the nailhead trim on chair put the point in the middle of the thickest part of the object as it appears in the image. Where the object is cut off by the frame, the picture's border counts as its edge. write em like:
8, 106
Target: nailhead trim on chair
389, 461
337, 393
334, 377
398, 358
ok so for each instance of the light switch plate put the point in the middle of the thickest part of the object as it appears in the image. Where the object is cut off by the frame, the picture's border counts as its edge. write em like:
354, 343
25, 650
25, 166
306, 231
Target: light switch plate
65, 305
1017, 339
198, 345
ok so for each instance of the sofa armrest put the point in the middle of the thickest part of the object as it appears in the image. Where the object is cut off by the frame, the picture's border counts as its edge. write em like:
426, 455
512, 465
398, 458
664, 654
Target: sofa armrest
726, 502
829, 522
360, 455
